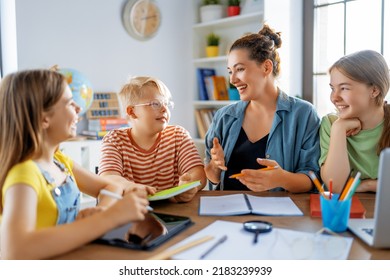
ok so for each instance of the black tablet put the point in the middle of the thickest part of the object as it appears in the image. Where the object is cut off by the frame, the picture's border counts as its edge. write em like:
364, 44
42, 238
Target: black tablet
147, 234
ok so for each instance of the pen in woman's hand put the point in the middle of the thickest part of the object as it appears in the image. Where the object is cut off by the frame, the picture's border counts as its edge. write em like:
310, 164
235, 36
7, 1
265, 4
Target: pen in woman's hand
118, 196
263, 169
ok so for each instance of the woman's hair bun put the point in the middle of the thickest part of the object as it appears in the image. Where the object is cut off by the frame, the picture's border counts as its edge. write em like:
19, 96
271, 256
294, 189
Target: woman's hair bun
271, 34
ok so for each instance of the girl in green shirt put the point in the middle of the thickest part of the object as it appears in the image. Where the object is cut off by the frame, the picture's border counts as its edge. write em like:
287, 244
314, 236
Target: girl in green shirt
354, 137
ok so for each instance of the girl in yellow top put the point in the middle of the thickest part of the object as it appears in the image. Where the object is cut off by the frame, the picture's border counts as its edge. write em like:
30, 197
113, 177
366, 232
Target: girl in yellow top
39, 195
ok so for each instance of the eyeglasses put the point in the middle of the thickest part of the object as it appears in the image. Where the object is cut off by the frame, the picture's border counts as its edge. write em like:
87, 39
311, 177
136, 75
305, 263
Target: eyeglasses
157, 104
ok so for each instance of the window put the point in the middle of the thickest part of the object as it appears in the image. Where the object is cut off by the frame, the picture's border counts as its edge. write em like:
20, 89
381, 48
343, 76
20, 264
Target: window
344, 27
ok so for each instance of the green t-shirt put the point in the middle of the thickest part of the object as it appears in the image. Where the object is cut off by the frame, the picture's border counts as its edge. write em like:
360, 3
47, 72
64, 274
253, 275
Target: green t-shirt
362, 148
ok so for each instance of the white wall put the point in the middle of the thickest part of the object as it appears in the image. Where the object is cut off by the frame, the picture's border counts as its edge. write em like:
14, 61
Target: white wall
8, 37
88, 35
286, 16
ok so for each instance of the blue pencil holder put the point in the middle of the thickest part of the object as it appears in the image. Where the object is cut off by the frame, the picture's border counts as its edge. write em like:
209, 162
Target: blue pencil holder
335, 213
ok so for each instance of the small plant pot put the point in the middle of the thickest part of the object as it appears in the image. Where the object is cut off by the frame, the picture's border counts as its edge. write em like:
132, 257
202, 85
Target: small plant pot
233, 11
211, 12
212, 51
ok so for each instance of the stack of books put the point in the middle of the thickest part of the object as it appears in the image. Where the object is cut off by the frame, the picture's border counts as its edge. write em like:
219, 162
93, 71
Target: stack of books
98, 128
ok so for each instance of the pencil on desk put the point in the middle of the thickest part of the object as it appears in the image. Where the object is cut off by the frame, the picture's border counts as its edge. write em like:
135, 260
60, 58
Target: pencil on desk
262, 169
169, 253
219, 241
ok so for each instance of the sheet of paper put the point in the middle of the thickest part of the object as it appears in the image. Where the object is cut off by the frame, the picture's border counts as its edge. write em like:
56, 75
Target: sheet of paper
168, 193
224, 205
274, 206
278, 244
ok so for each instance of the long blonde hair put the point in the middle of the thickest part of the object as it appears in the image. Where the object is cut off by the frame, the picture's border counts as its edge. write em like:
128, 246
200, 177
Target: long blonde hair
370, 67
24, 97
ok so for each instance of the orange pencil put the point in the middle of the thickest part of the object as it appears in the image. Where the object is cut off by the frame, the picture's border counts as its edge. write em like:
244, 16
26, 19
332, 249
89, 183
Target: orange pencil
330, 188
262, 169
346, 189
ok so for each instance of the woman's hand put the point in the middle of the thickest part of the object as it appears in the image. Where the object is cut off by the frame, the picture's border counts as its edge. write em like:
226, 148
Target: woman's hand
259, 180
217, 155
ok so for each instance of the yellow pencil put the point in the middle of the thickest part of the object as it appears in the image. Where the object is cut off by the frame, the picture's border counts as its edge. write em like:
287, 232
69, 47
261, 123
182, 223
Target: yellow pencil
262, 169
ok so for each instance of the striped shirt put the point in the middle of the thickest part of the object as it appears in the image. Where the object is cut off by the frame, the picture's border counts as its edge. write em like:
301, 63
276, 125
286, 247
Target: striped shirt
173, 154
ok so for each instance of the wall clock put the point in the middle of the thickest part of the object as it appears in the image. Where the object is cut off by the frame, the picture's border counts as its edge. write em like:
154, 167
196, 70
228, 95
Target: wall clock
141, 18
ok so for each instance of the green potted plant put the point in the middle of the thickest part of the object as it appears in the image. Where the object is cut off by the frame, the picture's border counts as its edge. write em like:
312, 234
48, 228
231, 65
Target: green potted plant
212, 48
211, 10
233, 8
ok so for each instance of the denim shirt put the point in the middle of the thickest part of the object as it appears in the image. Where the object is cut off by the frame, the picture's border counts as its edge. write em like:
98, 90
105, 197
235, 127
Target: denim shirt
293, 141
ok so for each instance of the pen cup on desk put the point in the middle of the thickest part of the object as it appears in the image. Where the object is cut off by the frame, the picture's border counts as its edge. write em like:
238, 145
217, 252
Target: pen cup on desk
335, 213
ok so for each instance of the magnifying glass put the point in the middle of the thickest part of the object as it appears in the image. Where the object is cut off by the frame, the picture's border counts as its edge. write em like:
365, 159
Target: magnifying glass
257, 227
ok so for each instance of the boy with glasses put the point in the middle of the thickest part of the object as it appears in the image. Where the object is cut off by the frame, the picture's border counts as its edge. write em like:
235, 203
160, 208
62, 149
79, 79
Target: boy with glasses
151, 152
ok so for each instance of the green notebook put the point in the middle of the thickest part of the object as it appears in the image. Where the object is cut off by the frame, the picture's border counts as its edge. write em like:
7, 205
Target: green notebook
168, 193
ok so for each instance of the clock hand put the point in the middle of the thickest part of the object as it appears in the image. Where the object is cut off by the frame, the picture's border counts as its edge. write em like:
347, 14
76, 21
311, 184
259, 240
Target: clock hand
148, 17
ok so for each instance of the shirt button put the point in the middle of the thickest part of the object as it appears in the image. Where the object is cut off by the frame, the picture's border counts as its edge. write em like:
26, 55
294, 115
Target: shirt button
267, 156
57, 191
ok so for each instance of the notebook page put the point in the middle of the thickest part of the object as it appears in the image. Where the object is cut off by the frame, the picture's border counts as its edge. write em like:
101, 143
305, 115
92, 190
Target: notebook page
274, 206
224, 205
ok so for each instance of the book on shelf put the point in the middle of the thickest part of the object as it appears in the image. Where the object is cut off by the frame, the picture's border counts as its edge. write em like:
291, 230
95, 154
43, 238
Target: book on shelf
104, 105
102, 124
357, 208
94, 135
207, 117
216, 88
201, 74
200, 124
203, 118
240, 204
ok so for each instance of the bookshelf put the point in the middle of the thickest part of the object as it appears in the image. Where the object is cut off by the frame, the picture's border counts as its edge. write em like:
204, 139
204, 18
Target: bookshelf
229, 29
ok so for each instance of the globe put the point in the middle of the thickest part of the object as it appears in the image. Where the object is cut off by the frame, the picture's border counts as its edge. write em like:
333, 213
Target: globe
80, 86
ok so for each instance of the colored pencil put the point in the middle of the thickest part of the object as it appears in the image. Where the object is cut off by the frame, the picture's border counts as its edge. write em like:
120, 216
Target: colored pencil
262, 169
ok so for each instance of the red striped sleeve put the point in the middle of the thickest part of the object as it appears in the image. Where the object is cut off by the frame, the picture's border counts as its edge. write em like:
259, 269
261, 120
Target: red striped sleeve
173, 154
